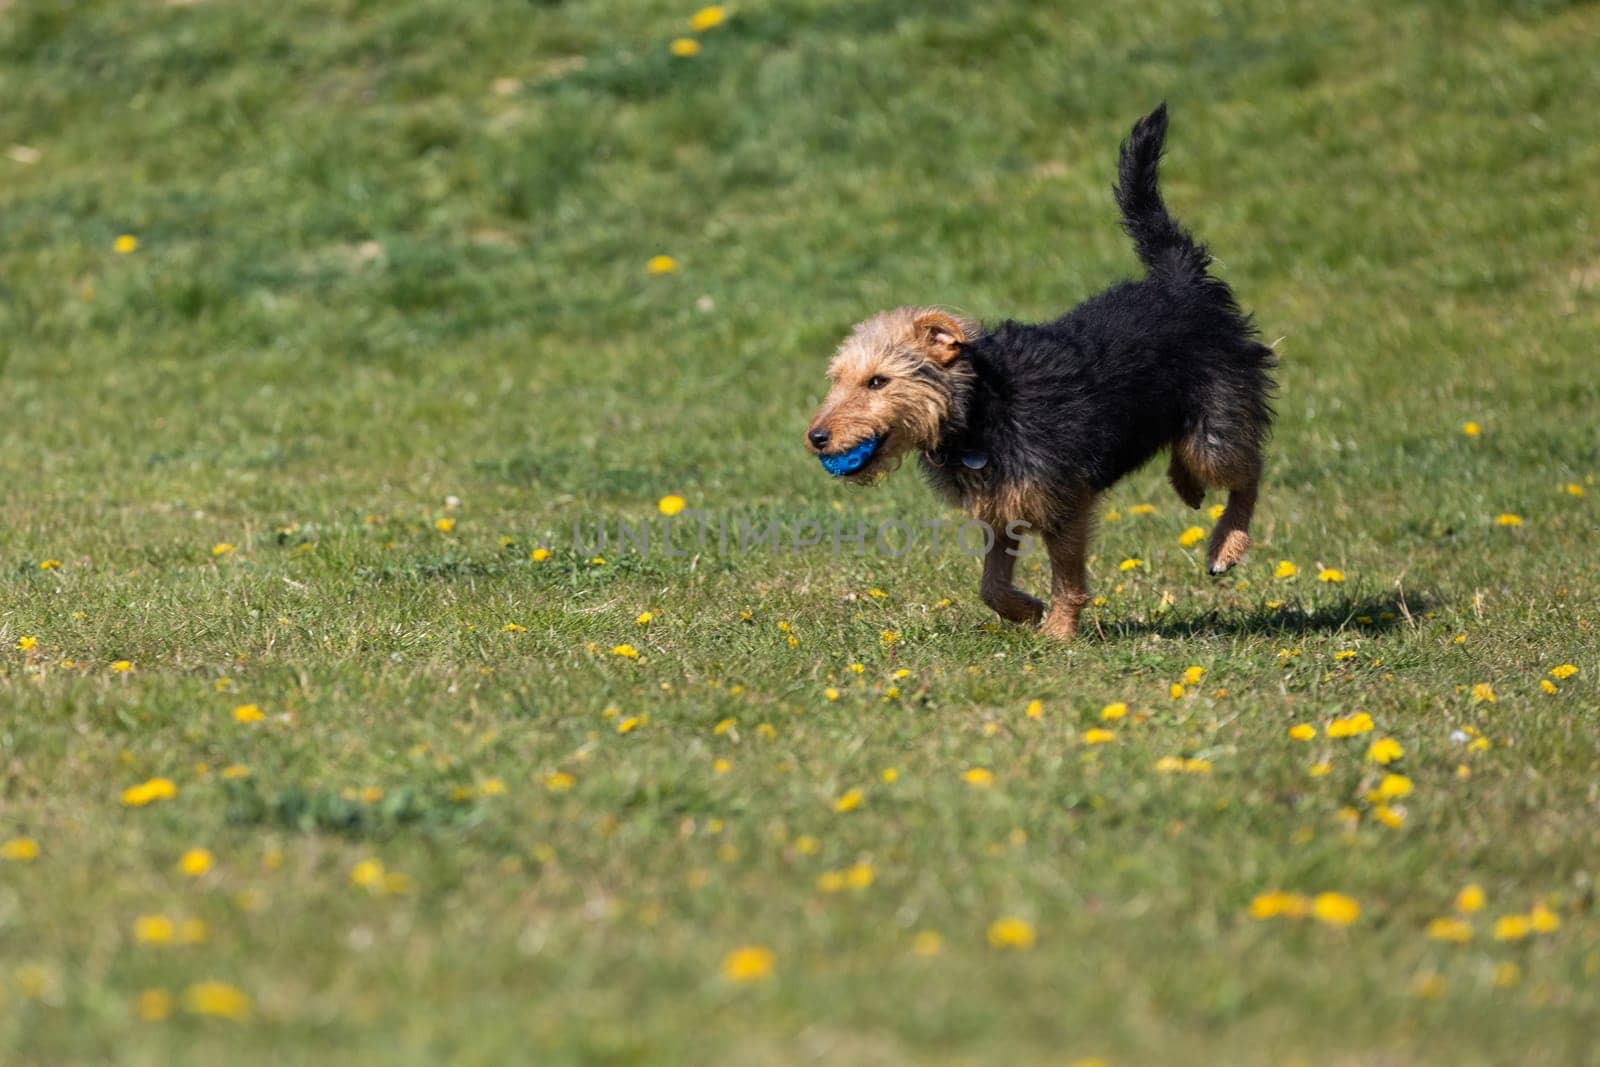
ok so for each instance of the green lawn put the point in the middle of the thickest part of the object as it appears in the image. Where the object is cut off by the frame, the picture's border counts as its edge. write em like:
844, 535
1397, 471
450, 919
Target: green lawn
388, 330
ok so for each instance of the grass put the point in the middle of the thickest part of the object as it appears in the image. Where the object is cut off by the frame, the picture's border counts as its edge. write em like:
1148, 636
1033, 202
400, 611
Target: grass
392, 254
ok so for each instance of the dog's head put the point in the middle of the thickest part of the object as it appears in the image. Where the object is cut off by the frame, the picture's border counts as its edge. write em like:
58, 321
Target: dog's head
894, 383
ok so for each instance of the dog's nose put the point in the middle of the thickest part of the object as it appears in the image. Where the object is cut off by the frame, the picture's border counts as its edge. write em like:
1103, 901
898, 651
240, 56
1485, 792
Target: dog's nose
818, 439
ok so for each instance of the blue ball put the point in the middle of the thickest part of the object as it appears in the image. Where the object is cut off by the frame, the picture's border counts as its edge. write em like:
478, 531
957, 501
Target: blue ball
851, 460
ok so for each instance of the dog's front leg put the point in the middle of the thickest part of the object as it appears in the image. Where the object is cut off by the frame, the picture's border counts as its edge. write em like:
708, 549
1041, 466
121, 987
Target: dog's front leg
1068, 546
999, 591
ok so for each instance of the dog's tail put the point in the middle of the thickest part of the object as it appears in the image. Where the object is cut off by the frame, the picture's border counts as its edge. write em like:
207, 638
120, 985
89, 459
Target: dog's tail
1166, 249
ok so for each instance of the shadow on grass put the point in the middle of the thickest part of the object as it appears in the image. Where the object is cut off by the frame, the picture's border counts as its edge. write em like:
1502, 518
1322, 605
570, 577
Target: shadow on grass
1367, 615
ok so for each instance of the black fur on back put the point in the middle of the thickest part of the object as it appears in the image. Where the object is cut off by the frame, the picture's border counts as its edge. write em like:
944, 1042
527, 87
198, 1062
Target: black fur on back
1073, 405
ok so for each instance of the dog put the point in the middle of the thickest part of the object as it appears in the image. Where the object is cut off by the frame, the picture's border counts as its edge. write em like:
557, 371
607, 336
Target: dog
1025, 426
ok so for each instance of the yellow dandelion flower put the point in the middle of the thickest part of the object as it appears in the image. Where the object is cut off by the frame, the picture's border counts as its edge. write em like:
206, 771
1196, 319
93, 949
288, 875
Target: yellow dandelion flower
196, 862
1512, 928
890, 775
889, 637
1385, 750
1335, 909
1393, 818
927, 943
707, 18
1507, 975
27, 643
1275, 903
1391, 787
1507, 518
981, 777
1113, 515
137, 796
849, 800
1483, 693
1563, 672
50, 565
235, 771
1303, 732
830, 693
153, 1005
513, 628
247, 713
223, 548
671, 504
1012, 933
1285, 569
1330, 574
125, 244
1543, 920
20, 850
1470, 899
1098, 737
1548, 686
1142, 509
625, 651
1344, 655
1130, 564
1175, 690
1351, 725
685, 47
630, 724
1449, 928
122, 666
154, 929
1215, 511
491, 787
1321, 770
559, 781
1191, 537
217, 999
1114, 711
539, 555
1471, 429
750, 963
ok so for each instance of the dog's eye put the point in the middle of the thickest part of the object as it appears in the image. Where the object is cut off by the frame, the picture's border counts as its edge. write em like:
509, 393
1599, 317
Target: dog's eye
877, 381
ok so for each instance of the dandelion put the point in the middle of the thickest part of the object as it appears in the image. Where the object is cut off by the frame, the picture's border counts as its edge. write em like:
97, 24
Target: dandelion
1351, 725
50, 565
1303, 732
1035, 709
1548, 686
1507, 975
20, 850
1142, 509
1391, 787
153, 929
125, 244
122, 666
1335, 909
707, 18
1573, 489
247, 713
444, 525
1285, 569
491, 787
539, 555
1191, 537
849, 800
1275, 903
890, 776
1507, 518
1330, 574
1511, 928
927, 943
670, 504
1563, 672
217, 999
1393, 818
1543, 920
644, 618
1012, 933
1113, 515
630, 724
685, 47
979, 777
233, 772
721, 766
153, 1005
1131, 564
1098, 737
1175, 691
1450, 928
1114, 711
1483, 693
625, 651
559, 781
750, 963
1215, 511
1470, 899
223, 548
1320, 770
137, 796
196, 862
1385, 750
830, 693
27, 643
1471, 429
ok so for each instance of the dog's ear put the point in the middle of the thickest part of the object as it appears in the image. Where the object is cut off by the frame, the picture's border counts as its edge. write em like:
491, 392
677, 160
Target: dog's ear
941, 335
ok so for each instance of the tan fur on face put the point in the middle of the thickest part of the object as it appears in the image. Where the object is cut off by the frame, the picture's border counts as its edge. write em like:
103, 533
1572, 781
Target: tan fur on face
899, 345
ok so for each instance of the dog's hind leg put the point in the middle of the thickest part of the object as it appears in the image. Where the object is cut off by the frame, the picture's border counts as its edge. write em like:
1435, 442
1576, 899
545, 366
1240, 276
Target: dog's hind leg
1187, 486
1236, 469
999, 591
1231, 539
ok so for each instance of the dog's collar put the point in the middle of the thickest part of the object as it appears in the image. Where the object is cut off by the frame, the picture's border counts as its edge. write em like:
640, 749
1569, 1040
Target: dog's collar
971, 460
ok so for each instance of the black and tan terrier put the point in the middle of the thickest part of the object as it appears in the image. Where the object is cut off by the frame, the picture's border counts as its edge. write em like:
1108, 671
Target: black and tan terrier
1024, 426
